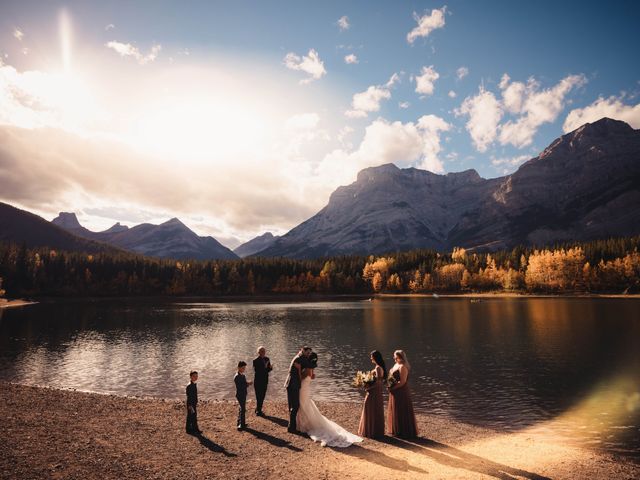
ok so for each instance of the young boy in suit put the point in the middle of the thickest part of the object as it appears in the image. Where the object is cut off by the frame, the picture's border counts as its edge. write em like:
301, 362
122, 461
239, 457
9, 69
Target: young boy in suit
192, 405
241, 394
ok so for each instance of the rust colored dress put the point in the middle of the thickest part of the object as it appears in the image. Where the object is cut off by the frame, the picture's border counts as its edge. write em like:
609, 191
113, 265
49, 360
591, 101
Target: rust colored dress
401, 420
372, 419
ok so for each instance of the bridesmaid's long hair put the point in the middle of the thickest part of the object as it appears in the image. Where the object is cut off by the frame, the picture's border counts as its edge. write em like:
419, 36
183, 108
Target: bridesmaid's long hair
403, 356
377, 357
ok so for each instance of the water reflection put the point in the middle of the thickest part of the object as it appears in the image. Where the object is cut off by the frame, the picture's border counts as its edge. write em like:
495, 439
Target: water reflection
570, 366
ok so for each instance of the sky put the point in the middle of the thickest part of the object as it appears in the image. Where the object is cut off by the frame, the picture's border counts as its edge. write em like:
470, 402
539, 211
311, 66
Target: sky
243, 117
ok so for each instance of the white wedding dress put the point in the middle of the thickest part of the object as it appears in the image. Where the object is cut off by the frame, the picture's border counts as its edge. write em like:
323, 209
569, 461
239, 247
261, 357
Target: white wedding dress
319, 427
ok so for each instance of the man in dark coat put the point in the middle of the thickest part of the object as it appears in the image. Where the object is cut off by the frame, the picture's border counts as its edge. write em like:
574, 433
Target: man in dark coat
261, 366
293, 384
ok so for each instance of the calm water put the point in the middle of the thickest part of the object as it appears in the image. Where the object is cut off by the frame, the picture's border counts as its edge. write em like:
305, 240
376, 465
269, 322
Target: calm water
569, 366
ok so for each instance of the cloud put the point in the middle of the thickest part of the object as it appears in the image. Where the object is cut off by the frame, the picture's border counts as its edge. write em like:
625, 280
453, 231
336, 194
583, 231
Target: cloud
309, 63
509, 161
34, 99
452, 94
343, 23
425, 81
350, 59
18, 34
484, 112
369, 101
405, 144
128, 50
462, 72
404, 105
530, 106
108, 27
612, 107
535, 106
427, 23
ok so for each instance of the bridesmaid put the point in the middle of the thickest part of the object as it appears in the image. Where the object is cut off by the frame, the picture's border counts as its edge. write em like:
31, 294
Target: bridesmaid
372, 419
400, 417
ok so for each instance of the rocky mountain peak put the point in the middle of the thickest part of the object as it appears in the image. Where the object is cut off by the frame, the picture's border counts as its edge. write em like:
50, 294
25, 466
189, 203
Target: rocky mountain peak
174, 222
67, 220
116, 228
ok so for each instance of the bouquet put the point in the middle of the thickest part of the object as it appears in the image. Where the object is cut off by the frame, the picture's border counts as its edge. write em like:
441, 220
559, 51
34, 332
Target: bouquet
391, 381
363, 379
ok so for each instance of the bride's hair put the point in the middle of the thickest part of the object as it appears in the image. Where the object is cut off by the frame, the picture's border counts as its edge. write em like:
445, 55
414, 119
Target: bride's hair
377, 357
403, 356
313, 360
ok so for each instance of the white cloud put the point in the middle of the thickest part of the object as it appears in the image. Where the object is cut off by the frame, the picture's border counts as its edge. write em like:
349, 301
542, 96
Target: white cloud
395, 78
534, 105
18, 34
452, 94
309, 63
34, 99
405, 144
484, 112
425, 81
128, 50
529, 104
462, 72
302, 122
369, 101
108, 27
611, 107
509, 161
343, 23
404, 105
343, 135
350, 59
427, 23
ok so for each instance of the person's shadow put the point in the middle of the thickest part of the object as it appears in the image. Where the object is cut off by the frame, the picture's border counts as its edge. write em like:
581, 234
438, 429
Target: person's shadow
275, 441
379, 458
213, 446
279, 421
455, 458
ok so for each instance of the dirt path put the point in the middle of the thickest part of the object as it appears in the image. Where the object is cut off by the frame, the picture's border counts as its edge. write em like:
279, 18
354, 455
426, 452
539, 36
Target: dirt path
47, 433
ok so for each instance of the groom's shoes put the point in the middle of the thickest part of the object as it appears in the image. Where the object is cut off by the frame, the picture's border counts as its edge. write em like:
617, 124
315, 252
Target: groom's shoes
260, 414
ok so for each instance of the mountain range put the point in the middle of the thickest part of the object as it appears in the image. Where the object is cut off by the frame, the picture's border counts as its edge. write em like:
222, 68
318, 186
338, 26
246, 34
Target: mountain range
585, 185
20, 226
171, 239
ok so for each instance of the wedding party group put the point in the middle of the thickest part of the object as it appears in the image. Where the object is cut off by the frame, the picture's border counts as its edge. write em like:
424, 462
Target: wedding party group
304, 415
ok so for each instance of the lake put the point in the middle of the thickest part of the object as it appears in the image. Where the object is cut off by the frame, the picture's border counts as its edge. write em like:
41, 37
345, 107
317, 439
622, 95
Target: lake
570, 366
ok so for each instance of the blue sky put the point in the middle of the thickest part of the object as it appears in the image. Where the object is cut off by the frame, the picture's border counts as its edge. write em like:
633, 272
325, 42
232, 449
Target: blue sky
251, 112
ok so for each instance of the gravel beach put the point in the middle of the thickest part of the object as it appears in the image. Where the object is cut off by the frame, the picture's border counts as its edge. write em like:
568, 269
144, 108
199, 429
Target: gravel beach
49, 433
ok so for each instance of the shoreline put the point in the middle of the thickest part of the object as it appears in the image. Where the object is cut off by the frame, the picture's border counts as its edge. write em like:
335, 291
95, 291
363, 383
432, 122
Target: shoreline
482, 295
4, 303
53, 433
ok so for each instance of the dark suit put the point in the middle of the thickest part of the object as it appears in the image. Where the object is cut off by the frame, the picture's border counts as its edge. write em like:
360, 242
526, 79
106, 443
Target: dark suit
261, 367
241, 394
292, 385
192, 401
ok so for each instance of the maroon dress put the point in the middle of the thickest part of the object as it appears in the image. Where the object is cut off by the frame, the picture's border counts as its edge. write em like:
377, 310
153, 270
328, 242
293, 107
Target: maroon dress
401, 420
372, 419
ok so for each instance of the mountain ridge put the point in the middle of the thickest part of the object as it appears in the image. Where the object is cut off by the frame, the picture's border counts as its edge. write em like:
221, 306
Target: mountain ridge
170, 239
584, 185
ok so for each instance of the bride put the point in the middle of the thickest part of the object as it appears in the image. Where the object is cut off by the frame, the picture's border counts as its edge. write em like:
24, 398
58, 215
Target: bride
312, 422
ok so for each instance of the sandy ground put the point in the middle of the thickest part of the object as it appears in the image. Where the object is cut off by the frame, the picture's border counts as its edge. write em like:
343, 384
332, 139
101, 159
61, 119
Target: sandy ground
48, 433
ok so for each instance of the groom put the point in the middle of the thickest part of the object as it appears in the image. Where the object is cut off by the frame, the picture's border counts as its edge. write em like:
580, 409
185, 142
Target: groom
293, 383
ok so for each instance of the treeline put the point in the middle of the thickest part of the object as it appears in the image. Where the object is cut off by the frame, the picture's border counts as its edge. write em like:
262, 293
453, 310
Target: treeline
611, 265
